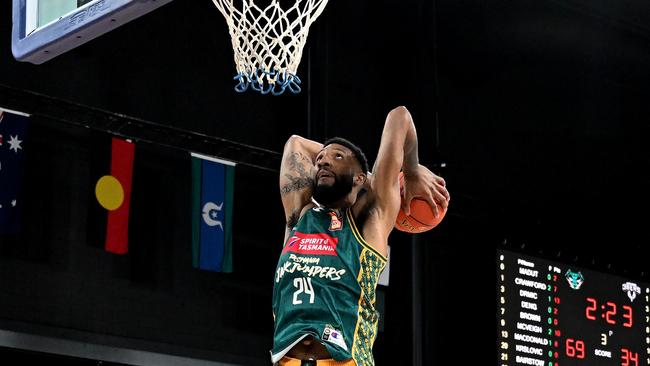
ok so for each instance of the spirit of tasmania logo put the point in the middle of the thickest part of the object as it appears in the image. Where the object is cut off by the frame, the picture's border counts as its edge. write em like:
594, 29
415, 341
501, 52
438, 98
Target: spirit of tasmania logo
320, 243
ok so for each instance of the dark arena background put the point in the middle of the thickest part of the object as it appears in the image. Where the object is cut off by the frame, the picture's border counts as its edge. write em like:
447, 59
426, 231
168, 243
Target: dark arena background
536, 113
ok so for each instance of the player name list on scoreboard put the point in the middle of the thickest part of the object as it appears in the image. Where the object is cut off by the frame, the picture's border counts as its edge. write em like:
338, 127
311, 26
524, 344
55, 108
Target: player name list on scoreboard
555, 314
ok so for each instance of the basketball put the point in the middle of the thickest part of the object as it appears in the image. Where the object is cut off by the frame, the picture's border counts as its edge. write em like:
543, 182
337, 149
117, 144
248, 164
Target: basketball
421, 219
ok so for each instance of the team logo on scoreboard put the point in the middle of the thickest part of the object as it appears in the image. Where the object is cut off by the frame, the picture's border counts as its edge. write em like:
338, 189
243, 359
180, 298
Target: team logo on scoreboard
632, 290
575, 279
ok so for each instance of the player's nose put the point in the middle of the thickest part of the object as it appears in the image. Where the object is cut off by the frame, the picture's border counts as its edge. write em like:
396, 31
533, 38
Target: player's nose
324, 161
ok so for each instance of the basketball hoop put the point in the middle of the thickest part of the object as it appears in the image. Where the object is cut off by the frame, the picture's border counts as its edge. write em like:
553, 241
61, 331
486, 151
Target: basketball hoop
268, 42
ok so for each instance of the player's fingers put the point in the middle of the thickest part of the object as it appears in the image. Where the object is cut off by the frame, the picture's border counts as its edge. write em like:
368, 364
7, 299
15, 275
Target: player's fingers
432, 203
443, 191
440, 199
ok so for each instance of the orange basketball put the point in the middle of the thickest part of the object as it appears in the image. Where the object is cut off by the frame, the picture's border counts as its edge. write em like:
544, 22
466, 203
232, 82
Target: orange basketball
421, 218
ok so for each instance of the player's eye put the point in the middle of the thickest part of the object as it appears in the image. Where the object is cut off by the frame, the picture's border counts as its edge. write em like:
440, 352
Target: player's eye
339, 156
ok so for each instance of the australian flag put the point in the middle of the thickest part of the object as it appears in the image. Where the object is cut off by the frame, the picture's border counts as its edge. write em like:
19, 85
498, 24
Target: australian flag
13, 128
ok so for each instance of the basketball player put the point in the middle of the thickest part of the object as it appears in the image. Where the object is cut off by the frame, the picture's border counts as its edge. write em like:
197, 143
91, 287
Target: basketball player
338, 219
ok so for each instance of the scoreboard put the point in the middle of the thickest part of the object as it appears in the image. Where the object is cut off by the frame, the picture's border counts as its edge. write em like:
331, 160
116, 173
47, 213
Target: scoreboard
555, 314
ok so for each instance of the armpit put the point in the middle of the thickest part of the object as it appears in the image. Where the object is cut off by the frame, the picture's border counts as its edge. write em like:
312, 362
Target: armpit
292, 221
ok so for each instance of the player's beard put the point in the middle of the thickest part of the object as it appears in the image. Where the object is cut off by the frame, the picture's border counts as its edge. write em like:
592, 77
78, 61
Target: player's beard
329, 194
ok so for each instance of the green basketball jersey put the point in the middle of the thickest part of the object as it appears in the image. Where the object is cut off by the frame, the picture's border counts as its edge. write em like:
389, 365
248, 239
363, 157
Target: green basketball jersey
324, 286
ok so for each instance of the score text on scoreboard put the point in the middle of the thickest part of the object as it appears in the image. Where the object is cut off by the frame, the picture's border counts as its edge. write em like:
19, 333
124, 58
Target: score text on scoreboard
554, 314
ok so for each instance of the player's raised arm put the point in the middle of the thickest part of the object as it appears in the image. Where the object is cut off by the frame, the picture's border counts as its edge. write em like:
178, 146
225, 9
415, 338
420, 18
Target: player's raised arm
297, 176
399, 150
398, 140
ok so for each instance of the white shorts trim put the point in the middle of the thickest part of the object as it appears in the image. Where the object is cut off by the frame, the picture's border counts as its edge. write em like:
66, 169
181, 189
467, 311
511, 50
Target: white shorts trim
278, 356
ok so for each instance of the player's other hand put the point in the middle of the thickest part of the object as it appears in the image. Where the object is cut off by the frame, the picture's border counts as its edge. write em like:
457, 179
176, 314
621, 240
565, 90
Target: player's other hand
424, 184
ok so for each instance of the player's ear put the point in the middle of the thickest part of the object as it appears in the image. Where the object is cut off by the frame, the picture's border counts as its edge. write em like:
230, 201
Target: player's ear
360, 179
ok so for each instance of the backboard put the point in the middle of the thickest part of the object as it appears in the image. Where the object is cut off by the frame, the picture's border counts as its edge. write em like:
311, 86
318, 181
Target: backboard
43, 29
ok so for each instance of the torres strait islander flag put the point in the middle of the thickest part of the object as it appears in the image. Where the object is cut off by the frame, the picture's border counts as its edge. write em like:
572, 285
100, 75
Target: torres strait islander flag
213, 182
111, 176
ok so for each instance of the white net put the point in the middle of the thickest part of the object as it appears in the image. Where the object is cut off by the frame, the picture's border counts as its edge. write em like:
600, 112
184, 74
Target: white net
268, 42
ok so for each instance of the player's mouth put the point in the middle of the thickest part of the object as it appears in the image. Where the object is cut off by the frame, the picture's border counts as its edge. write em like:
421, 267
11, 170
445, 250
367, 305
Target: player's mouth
324, 175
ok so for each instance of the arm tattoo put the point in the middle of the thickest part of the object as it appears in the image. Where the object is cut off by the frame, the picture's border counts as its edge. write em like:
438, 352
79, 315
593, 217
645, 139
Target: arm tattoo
304, 178
296, 184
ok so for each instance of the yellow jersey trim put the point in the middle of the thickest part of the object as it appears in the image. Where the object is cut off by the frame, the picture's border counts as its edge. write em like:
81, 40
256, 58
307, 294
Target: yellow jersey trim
356, 329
